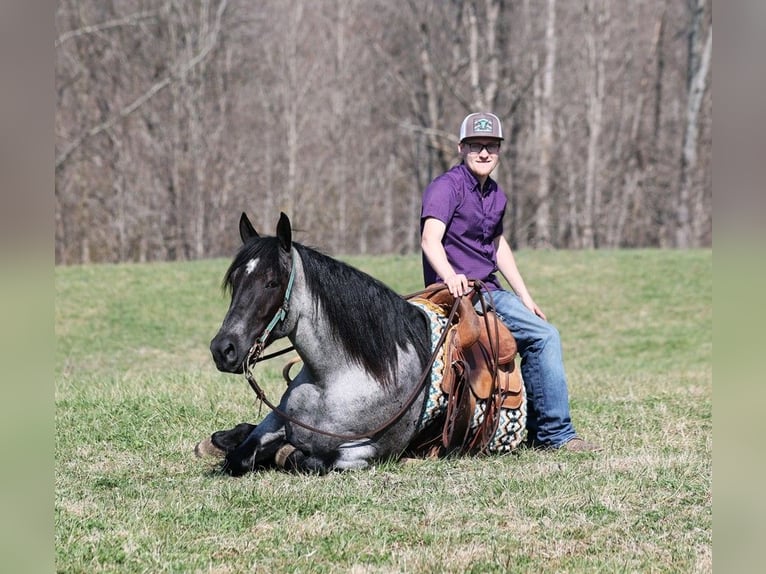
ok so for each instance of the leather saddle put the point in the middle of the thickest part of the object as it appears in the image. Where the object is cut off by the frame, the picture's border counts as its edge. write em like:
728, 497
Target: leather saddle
479, 355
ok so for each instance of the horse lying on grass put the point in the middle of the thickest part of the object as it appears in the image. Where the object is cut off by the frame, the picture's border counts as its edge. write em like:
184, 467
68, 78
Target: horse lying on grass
373, 363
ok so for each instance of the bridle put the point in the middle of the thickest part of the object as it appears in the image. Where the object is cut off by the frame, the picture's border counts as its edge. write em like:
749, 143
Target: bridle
260, 342
254, 356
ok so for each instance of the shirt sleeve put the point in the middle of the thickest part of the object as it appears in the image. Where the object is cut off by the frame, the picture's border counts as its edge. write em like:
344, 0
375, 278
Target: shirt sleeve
439, 200
499, 227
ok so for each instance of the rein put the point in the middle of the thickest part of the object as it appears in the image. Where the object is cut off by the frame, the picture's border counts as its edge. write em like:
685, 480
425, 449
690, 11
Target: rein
254, 357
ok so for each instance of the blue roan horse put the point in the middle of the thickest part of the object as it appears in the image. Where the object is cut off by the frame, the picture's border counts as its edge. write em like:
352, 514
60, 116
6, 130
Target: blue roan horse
364, 350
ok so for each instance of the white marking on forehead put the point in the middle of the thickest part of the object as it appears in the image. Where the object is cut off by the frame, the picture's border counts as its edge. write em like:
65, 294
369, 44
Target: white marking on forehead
250, 266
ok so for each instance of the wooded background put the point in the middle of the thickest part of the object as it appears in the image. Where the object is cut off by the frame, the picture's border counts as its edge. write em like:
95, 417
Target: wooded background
175, 116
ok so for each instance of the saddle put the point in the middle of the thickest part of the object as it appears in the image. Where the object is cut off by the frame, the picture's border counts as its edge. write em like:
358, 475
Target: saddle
479, 355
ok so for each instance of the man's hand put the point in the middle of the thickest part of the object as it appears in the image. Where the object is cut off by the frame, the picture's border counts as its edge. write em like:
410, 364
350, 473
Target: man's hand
532, 306
457, 284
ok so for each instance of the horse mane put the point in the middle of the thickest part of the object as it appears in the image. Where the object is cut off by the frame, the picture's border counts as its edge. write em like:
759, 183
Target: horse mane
368, 318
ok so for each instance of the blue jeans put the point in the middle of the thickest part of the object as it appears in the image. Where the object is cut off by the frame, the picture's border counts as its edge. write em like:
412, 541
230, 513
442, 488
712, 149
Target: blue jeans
542, 367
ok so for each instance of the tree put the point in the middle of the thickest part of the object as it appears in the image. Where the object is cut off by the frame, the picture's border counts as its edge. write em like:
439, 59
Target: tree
543, 215
689, 200
173, 117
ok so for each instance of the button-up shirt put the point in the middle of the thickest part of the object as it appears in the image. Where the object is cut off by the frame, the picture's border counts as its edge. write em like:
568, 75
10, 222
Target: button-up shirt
473, 218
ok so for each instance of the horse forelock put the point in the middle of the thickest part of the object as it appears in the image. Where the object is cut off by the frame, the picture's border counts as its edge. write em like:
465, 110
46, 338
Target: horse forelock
264, 250
369, 320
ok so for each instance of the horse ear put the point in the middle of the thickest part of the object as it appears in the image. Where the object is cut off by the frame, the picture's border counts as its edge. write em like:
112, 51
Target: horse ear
246, 229
284, 232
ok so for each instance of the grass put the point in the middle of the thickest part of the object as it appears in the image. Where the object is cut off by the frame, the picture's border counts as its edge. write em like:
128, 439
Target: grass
136, 389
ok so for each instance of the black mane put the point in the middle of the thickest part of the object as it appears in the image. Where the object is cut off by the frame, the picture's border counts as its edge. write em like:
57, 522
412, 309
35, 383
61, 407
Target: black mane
366, 317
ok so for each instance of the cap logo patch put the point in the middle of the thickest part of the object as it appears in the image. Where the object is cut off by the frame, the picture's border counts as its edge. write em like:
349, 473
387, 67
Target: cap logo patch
482, 125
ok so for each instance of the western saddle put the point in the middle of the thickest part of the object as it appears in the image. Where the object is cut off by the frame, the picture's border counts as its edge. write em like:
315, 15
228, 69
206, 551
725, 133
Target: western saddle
479, 366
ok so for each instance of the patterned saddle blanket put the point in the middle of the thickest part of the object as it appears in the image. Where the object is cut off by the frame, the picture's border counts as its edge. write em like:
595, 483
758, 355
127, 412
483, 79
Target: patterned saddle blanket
476, 400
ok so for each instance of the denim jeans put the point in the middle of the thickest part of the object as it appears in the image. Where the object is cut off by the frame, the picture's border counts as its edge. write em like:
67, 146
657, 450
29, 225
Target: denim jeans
542, 367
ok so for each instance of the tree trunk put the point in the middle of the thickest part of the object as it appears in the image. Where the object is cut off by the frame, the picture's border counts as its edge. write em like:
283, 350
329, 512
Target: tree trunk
543, 214
339, 139
597, 55
699, 64
483, 56
636, 152
570, 227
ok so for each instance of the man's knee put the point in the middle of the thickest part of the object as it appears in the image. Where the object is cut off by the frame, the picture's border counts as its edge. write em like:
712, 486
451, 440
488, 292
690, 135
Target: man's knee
549, 335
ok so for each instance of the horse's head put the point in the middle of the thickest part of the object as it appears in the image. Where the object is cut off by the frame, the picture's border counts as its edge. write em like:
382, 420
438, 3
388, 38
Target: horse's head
257, 279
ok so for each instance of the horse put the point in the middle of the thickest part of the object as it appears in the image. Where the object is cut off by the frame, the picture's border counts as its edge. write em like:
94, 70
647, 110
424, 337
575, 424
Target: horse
364, 348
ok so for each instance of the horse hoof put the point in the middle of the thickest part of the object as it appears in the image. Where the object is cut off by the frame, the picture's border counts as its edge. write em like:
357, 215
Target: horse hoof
229, 440
206, 448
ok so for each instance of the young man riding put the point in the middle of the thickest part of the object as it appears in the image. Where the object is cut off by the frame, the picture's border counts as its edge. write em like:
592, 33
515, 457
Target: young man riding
462, 238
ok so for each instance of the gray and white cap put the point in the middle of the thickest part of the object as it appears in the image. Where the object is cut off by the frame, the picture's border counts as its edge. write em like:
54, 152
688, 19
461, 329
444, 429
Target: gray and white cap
481, 124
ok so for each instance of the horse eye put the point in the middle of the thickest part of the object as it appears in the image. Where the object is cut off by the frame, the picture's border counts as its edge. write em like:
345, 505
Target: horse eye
272, 284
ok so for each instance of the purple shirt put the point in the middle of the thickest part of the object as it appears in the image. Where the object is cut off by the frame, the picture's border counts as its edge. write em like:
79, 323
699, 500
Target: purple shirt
473, 219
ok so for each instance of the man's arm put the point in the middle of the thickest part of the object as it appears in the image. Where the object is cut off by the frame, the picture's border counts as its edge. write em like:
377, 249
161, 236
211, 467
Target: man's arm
431, 243
506, 263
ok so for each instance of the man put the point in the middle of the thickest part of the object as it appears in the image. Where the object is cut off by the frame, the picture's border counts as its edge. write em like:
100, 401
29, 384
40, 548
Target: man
462, 238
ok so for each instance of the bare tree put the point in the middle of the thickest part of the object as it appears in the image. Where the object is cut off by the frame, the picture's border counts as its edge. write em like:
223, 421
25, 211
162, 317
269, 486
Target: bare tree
172, 117
543, 214
633, 147
598, 52
687, 231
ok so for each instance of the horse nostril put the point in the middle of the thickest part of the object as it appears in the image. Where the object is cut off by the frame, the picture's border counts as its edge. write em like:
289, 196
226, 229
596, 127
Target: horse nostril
225, 353
229, 352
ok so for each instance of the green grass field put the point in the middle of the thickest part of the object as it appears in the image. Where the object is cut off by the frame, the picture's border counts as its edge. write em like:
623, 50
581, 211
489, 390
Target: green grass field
136, 388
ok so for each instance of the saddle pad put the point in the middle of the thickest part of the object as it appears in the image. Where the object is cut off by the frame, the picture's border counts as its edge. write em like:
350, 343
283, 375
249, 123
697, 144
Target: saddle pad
436, 402
512, 418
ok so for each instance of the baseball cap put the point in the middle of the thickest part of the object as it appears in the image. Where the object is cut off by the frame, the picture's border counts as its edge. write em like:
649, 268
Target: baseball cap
481, 124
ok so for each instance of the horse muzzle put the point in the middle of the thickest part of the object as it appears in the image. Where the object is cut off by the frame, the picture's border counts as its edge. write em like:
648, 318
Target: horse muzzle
226, 354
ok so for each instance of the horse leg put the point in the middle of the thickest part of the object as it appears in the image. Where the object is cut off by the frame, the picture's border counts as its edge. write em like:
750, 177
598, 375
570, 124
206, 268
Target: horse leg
356, 455
232, 438
298, 461
222, 442
258, 448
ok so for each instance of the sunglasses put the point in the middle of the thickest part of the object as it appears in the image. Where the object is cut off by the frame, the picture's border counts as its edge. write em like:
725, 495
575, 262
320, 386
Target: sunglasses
475, 147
